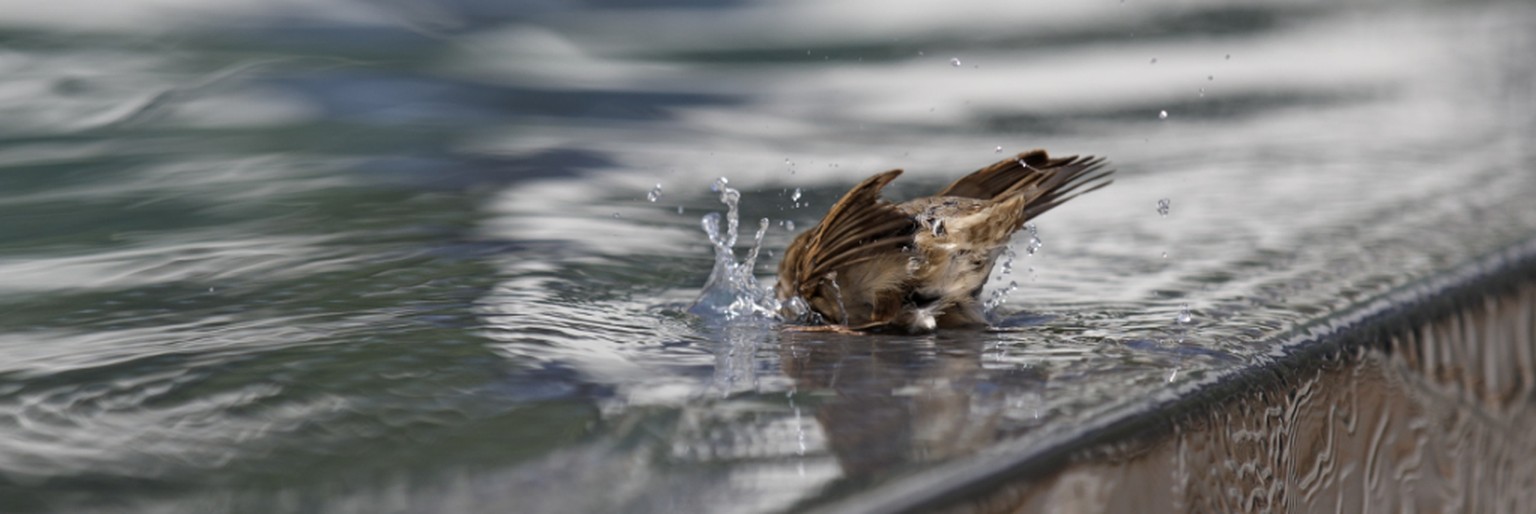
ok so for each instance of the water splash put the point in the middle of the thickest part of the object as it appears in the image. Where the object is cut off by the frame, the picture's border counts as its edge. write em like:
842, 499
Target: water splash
732, 290
1181, 323
1035, 243
999, 297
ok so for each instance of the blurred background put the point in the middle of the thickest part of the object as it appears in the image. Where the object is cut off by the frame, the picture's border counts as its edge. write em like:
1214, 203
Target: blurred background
436, 255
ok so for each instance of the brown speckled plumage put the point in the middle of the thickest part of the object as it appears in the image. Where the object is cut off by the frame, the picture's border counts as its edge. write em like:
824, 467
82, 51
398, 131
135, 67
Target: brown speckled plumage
920, 265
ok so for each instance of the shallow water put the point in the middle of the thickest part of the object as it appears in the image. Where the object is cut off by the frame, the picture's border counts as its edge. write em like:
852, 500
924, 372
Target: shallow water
401, 257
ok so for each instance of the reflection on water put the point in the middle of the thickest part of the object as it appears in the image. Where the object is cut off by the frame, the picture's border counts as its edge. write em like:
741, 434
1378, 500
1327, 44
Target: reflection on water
923, 400
396, 256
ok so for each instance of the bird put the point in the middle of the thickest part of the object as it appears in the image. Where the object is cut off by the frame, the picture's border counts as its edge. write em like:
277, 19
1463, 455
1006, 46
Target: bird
874, 266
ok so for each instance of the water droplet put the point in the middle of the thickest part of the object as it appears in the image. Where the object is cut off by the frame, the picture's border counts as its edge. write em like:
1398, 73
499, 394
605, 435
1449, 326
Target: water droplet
1162, 115
654, 194
795, 195
1165, 255
719, 184
1035, 244
1163, 205
1210, 77
997, 150
616, 215
1229, 57
1154, 60
1202, 92
919, 53
1184, 315
789, 225
1000, 296
679, 209
954, 61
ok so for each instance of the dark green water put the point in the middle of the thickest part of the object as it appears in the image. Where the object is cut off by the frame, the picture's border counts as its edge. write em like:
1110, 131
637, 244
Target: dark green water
399, 257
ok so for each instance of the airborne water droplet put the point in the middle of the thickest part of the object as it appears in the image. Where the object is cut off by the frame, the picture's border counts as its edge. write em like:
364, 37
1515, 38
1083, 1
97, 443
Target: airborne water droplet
1184, 315
1162, 115
1035, 243
654, 194
1154, 60
954, 61
795, 195
719, 184
997, 150
1163, 205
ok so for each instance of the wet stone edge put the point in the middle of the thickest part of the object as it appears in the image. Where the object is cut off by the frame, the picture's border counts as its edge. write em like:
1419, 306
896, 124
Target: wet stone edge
1327, 342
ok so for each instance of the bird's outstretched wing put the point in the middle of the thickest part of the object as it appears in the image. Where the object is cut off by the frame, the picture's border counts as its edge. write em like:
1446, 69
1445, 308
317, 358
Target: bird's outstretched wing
860, 227
1050, 181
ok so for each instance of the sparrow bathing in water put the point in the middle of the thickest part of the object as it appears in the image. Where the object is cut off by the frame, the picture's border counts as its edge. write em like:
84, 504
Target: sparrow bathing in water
916, 266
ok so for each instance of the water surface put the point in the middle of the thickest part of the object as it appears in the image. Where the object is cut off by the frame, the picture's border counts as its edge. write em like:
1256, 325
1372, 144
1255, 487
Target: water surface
401, 257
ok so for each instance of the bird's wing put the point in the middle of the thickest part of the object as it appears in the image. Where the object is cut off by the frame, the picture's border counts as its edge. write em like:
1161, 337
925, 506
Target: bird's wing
1030, 169
861, 226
